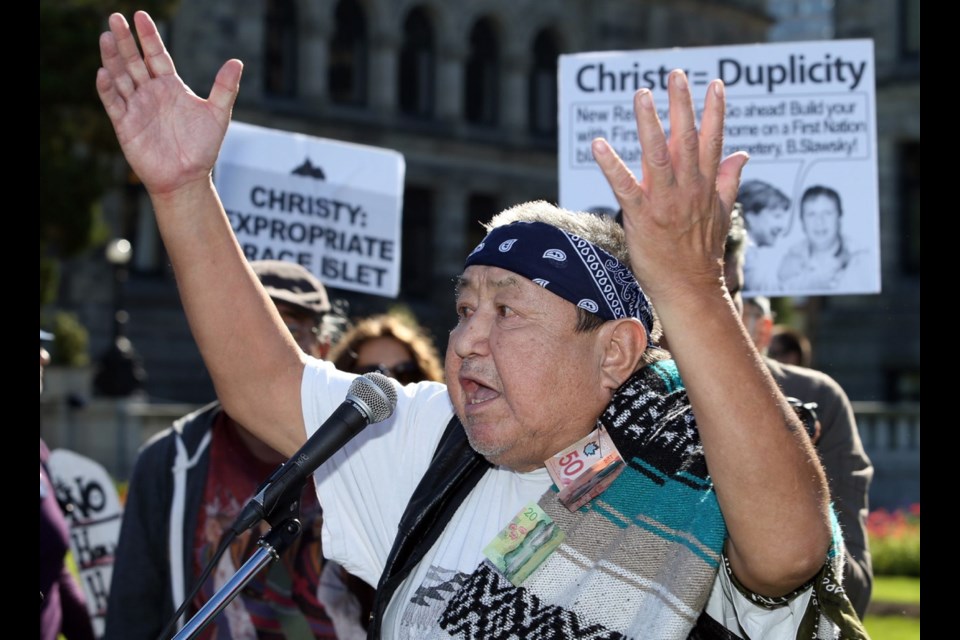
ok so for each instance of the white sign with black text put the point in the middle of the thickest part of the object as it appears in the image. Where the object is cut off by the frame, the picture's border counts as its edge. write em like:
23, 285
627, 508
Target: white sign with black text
806, 114
333, 207
91, 506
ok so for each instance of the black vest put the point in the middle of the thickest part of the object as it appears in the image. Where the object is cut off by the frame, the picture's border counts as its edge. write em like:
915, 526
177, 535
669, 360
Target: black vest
453, 473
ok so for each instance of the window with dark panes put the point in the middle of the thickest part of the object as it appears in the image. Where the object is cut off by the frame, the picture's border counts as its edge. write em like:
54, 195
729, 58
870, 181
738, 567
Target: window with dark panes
280, 49
416, 272
482, 87
910, 28
348, 55
543, 85
910, 207
480, 208
417, 65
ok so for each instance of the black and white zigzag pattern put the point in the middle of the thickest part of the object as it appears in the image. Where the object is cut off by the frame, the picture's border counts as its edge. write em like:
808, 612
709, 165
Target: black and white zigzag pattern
437, 586
649, 421
488, 606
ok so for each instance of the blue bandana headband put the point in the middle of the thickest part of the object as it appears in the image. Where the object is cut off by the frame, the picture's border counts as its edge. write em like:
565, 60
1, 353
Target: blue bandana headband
566, 265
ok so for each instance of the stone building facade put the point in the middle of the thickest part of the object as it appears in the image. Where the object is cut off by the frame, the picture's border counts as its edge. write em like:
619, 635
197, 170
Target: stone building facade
465, 91
871, 344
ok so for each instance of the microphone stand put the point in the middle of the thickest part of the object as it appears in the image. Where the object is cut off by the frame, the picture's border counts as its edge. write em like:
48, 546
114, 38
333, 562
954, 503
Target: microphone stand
285, 527
371, 398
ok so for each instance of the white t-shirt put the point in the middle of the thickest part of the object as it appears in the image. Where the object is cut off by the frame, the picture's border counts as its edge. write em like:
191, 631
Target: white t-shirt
364, 489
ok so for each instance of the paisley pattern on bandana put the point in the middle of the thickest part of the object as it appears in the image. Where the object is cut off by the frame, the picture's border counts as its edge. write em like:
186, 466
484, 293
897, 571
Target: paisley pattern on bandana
548, 256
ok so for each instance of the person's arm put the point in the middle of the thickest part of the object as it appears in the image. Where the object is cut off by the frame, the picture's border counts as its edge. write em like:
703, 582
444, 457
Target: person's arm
171, 138
768, 481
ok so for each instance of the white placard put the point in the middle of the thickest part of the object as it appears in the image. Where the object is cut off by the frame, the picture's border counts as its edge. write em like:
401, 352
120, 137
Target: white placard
92, 509
330, 206
804, 111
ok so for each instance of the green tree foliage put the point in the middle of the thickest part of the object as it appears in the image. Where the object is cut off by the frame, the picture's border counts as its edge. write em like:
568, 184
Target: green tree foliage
76, 140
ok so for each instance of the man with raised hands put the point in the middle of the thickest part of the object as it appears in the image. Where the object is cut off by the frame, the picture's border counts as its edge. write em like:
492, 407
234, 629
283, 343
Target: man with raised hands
467, 507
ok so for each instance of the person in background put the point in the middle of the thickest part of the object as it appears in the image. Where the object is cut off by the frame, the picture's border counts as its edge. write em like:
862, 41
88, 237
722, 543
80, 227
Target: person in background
391, 344
63, 608
837, 439
790, 346
189, 484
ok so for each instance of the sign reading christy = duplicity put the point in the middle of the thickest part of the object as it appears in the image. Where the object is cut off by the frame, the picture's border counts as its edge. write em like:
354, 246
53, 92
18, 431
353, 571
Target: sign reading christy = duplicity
804, 111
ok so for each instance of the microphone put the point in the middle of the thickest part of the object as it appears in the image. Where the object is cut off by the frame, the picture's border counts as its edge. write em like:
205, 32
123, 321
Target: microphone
371, 398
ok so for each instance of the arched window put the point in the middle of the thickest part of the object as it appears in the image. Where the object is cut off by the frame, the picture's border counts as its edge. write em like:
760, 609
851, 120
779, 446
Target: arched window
347, 81
480, 208
280, 49
543, 85
417, 64
483, 75
416, 272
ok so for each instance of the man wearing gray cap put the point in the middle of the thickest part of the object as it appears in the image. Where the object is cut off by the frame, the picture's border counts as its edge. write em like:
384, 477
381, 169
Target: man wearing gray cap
190, 482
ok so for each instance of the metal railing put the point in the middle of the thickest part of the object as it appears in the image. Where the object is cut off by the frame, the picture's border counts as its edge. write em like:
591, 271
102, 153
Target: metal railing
891, 437
886, 428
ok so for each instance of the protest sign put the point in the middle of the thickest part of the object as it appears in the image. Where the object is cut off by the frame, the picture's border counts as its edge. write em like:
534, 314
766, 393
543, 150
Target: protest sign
330, 206
806, 114
89, 500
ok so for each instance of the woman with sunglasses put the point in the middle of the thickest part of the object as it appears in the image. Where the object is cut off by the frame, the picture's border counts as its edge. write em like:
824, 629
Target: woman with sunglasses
392, 345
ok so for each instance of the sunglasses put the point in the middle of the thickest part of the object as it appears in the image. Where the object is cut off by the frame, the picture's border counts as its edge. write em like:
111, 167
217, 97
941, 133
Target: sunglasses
403, 372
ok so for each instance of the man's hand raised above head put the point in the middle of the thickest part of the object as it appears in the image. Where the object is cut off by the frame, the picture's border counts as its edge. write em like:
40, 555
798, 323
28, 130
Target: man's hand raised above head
171, 138
768, 481
169, 135
677, 216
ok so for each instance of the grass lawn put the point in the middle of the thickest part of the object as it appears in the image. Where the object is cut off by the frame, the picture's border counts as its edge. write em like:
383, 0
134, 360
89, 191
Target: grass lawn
892, 628
891, 590
896, 589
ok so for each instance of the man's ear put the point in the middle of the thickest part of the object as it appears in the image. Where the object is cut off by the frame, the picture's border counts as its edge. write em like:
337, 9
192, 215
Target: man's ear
625, 341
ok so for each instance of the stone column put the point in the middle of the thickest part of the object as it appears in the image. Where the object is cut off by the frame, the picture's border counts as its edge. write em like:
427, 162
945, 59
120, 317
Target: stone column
514, 96
449, 88
313, 60
382, 77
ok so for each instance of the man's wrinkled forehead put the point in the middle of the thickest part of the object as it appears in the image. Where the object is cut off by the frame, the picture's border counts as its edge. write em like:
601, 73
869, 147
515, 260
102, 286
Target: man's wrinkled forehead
475, 278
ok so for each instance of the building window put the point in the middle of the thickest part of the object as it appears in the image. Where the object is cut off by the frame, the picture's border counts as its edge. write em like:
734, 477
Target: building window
280, 49
902, 384
480, 208
543, 86
417, 65
482, 93
910, 29
348, 55
910, 207
416, 272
